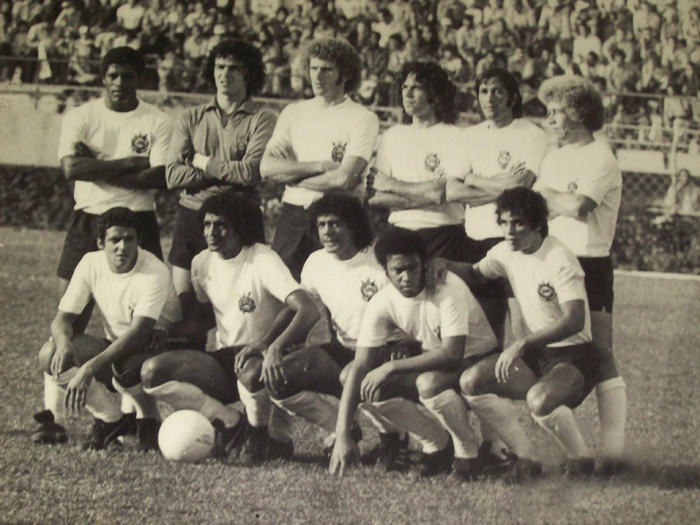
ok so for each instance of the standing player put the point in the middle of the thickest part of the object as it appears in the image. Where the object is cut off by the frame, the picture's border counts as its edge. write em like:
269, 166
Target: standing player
216, 148
133, 290
583, 185
504, 151
248, 287
551, 367
114, 150
318, 145
415, 159
453, 332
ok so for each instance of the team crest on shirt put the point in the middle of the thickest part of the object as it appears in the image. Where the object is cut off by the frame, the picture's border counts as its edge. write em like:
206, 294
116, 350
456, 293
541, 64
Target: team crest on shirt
546, 292
504, 159
431, 162
246, 304
572, 187
338, 151
368, 289
240, 148
139, 143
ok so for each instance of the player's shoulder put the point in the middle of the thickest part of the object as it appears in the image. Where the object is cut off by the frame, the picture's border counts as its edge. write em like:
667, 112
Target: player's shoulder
557, 253
146, 108
358, 112
260, 254
201, 260
152, 264
527, 126
85, 110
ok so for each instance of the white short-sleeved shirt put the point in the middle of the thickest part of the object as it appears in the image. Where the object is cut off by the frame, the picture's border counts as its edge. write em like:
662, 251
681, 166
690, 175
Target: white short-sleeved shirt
541, 282
344, 287
413, 155
146, 291
307, 132
593, 171
451, 311
247, 292
493, 150
143, 132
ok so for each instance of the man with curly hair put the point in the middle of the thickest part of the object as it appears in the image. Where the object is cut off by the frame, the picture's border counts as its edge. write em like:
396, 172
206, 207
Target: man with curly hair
582, 183
318, 145
416, 158
343, 277
216, 148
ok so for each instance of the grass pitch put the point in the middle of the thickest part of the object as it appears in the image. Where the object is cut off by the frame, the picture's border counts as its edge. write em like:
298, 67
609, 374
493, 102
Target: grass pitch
657, 344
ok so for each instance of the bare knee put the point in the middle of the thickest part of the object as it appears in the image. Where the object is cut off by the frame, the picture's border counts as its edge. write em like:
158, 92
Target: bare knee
430, 384
152, 372
249, 375
540, 400
474, 382
46, 355
344, 374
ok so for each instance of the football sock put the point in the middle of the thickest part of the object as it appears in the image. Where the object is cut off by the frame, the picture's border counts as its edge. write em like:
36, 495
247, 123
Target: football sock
185, 396
128, 405
382, 424
103, 404
257, 406
498, 414
312, 407
488, 433
280, 424
54, 395
561, 424
135, 397
405, 415
451, 410
612, 410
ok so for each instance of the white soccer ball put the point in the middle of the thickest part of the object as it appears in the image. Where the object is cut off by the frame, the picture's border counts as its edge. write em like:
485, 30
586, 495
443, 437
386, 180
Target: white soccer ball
187, 436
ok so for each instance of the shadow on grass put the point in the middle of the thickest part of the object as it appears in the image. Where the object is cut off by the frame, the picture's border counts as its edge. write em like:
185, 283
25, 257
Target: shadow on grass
665, 477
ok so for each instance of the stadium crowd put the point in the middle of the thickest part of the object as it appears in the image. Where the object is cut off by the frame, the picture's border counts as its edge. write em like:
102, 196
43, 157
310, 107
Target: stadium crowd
629, 46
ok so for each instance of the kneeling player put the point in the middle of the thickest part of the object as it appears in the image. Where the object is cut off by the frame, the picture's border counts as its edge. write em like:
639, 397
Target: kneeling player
134, 292
452, 330
248, 286
343, 276
551, 367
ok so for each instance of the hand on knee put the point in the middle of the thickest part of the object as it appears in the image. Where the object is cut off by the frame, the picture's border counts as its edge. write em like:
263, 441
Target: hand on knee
46, 355
250, 375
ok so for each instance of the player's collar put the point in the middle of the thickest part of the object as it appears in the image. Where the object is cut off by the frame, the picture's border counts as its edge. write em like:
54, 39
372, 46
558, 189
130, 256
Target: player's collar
249, 106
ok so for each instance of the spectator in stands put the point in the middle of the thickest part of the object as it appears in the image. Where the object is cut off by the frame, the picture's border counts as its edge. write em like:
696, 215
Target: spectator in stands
683, 196
374, 58
69, 16
397, 56
499, 38
671, 27
80, 68
566, 64
130, 15
621, 76
619, 41
584, 43
386, 27
690, 26
646, 18
453, 64
591, 68
677, 110
521, 18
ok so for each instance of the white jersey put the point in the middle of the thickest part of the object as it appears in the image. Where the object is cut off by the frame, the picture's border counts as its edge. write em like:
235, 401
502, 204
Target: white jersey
593, 171
451, 311
112, 135
306, 132
344, 287
493, 150
541, 282
145, 291
247, 292
414, 155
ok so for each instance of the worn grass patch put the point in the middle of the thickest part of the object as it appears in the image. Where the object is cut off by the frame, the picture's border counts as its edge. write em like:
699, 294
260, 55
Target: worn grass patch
657, 343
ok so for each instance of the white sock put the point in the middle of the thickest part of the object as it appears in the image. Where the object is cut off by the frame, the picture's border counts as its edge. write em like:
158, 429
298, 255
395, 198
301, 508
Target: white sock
128, 405
498, 413
612, 411
280, 424
488, 433
135, 397
382, 424
451, 410
54, 396
312, 407
561, 424
257, 406
102, 403
406, 416
185, 396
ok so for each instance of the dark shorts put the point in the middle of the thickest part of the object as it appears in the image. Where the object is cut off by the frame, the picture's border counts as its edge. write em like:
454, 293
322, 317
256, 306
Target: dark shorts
294, 241
582, 356
599, 282
342, 355
188, 239
226, 357
82, 233
449, 242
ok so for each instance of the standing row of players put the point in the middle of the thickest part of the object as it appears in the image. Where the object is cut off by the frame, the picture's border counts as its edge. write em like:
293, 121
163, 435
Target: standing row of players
118, 149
